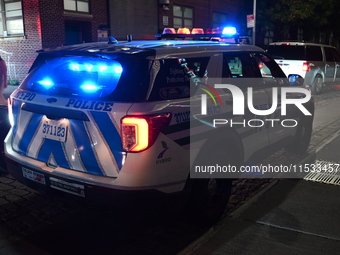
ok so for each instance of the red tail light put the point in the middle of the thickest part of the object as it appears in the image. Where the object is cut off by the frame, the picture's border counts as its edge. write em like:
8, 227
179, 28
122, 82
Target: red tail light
306, 67
10, 112
139, 132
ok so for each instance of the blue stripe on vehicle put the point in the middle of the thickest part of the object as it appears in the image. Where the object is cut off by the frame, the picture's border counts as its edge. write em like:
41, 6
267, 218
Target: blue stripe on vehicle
15, 112
84, 146
56, 149
110, 134
29, 133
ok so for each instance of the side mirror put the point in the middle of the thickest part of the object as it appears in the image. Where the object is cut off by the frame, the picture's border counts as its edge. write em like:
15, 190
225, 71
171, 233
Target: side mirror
295, 80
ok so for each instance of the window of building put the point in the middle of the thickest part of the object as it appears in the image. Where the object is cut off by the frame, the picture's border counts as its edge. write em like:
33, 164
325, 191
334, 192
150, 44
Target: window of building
183, 16
77, 5
219, 19
11, 21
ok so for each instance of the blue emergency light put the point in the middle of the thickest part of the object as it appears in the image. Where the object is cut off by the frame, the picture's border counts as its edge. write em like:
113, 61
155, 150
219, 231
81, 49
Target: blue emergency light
77, 76
46, 83
88, 87
229, 31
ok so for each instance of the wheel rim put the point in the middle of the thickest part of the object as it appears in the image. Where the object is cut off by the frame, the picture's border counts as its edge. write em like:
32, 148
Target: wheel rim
318, 84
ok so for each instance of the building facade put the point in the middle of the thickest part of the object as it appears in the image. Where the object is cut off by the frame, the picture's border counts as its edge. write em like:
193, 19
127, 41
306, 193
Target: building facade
29, 25
145, 18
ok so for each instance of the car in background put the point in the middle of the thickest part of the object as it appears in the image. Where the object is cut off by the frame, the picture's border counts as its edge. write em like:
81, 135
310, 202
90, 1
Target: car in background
318, 64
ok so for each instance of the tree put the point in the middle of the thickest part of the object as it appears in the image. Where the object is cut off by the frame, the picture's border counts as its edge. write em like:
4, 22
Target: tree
285, 16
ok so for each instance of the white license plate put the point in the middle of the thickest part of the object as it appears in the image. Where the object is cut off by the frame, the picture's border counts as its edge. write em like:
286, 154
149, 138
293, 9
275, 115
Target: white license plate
34, 176
72, 188
54, 129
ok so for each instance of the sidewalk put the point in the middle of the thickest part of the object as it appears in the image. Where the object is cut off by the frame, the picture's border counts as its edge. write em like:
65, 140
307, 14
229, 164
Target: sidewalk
295, 216
8, 91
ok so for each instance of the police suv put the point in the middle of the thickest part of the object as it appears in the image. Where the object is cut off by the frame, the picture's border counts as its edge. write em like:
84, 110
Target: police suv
100, 119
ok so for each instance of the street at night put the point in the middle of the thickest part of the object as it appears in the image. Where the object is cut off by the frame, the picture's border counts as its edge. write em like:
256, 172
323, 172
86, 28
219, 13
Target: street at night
169, 127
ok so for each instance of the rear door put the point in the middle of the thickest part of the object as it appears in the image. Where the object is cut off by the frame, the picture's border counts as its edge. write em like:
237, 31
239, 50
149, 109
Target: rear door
67, 112
333, 62
330, 65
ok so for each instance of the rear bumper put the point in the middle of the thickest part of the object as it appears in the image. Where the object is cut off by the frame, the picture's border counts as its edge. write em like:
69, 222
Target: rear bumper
51, 184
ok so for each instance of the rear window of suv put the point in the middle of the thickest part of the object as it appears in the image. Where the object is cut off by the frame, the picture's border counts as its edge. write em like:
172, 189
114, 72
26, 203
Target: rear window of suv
122, 78
295, 52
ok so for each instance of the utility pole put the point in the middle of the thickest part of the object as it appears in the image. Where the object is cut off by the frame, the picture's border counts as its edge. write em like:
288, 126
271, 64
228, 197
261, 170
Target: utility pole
254, 27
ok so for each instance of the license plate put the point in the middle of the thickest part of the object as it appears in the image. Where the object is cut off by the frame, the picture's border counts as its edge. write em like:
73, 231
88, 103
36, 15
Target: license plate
72, 188
54, 129
33, 176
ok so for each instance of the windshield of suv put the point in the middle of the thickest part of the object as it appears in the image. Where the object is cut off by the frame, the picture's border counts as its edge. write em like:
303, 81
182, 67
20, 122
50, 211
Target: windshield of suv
121, 79
295, 52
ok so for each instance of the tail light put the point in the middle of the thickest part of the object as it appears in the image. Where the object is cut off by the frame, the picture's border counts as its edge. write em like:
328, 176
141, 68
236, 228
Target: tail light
10, 112
140, 132
306, 67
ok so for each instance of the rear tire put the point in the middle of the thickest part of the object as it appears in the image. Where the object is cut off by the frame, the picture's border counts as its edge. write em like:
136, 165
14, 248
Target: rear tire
317, 85
302, 137
209, 196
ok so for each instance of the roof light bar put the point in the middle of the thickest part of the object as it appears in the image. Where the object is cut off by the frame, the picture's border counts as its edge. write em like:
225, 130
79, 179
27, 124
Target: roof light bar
226, 32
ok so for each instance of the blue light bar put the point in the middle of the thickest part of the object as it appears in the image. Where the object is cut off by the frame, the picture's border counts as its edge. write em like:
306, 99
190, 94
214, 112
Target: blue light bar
88, 87
46, 83
229, 31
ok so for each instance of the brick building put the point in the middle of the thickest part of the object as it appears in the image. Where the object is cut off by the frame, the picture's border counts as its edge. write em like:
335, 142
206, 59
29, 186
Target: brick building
29, 25
145, 18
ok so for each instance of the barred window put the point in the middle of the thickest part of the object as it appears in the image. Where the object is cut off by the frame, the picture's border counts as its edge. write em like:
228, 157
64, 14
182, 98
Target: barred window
183, 16
77, 5
11, 20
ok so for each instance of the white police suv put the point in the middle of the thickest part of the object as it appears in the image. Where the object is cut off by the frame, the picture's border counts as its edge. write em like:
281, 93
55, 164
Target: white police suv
100, 120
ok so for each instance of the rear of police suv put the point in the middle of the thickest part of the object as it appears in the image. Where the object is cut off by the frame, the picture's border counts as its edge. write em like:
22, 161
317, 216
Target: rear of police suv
73, 130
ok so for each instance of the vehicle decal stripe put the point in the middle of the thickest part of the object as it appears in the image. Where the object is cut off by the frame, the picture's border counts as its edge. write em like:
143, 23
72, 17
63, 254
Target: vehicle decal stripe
85, 147
110, 134
15, 112
30, 132
56, 149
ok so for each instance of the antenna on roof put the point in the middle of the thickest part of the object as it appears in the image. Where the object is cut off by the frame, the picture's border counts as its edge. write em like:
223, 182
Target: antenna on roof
129, 38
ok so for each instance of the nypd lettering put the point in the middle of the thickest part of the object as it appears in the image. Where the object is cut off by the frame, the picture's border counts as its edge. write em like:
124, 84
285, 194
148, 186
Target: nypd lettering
89, 105
25, 96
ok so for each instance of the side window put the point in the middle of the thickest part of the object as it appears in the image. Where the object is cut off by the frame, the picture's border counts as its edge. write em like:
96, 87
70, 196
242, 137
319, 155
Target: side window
331, 54
313, 53
268, 67
173, 77
238, 65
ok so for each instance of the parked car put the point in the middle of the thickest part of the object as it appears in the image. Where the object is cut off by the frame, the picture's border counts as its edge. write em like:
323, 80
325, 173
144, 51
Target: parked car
318, 64
100, 119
